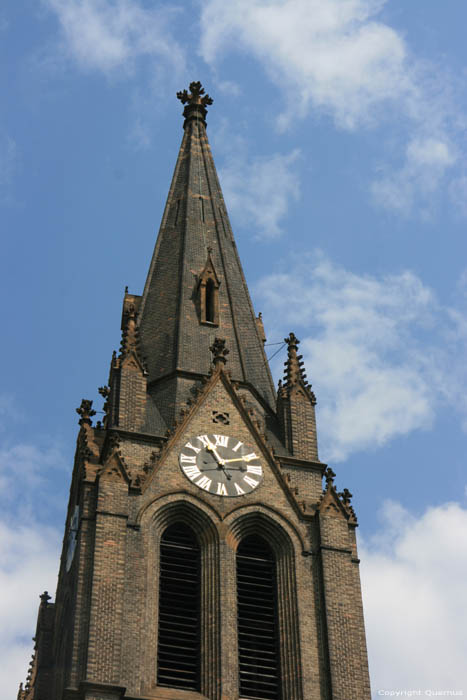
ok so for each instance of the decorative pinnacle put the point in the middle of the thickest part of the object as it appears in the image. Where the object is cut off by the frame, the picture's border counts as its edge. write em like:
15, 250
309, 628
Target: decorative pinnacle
219, 351
196, 96
294, 371
85, 411
44, 598
130, 337
329, 475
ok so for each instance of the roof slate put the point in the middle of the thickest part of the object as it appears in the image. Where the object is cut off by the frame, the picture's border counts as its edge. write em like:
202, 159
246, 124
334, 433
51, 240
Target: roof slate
195, 223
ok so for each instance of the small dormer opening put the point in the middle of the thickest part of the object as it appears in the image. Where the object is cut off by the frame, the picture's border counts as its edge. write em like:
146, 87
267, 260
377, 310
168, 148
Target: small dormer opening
208, 293
210, 302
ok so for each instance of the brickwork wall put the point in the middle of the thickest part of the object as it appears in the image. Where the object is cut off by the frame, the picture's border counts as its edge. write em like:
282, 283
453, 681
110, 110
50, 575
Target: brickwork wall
106, 624
343, 611
299, 424
132, 396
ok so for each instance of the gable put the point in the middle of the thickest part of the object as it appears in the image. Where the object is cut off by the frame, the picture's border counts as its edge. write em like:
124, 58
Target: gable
219, 419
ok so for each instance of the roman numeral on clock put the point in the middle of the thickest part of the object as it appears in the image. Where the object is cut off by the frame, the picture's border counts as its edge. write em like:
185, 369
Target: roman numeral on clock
221, 440
254, 469
191, 472
251, 482
204, 483
221, 490
189, 459
204, 439
192, 447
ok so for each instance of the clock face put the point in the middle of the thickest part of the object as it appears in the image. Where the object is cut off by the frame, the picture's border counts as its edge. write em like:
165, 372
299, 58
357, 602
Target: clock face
221, 465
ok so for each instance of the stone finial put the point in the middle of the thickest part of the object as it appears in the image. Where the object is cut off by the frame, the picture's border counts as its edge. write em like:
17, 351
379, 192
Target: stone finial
104, 391
346, 497
86, 412
44, 598
219, 351
197, 95
195, 103
329, 475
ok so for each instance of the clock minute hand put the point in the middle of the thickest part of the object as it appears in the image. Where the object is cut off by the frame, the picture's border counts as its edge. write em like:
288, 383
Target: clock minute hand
240, 459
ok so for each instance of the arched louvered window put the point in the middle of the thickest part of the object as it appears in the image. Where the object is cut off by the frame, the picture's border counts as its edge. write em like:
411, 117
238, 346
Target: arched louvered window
258, 633
178, 648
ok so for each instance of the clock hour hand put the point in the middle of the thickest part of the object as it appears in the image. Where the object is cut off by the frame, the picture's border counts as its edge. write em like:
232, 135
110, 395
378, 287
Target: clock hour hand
211, 448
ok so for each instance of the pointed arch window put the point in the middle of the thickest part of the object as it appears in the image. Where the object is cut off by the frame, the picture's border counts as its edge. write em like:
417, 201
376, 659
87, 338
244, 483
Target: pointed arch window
210, 301
179, 636
258, 630
209, 293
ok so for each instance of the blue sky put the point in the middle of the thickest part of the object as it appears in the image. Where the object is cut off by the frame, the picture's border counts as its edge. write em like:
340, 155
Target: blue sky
339, 132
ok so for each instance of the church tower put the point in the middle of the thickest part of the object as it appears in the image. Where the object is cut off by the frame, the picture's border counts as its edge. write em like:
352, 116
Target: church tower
202, 557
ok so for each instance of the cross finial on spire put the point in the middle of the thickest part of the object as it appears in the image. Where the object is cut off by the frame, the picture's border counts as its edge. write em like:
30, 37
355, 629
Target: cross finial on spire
196, 96
195, 103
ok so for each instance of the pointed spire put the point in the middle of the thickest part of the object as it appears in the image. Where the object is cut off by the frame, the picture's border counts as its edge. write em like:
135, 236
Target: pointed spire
176, 328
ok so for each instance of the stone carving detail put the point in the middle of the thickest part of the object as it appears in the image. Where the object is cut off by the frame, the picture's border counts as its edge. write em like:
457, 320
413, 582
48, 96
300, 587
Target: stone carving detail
86, 412
329, 475
345, 496
196, 96
130, 336
221, 417
219, 351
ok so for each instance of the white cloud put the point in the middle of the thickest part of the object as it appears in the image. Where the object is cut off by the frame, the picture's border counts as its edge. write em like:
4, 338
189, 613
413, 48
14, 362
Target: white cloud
111, 36
30, 494
378, 347
339, 57
426, 163
415, 599
258, 190
26, 464
333, 54
29, 555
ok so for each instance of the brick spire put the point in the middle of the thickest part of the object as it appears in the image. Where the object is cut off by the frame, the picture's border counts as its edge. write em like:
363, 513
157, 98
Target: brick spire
181, 311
